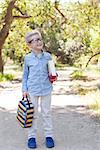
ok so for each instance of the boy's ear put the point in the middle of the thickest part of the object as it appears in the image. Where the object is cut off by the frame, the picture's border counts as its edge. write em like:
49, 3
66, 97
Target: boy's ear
28, 44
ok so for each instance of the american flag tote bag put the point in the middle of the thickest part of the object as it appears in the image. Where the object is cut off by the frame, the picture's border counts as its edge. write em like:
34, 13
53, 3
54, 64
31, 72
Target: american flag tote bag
25, 113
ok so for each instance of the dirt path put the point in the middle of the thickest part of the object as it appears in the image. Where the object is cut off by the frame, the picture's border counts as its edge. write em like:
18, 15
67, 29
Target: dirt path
74, 127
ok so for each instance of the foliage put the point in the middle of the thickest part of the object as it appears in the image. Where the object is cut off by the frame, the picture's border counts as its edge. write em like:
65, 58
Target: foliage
70, 31
74, 50
83, 20
78, 75
6, 77
60, 66
80, 90
15, 46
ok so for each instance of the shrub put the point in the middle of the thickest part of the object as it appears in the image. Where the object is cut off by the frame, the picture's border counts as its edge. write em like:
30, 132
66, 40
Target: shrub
78, 75
6, 77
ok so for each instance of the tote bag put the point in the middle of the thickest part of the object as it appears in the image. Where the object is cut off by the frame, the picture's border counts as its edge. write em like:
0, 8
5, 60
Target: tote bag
25, 113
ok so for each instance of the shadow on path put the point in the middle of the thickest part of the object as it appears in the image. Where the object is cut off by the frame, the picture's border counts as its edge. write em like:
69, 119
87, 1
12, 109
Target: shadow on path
74, 129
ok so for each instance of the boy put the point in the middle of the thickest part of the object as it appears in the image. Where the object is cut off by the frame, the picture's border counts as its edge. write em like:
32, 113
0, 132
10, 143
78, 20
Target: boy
37, 84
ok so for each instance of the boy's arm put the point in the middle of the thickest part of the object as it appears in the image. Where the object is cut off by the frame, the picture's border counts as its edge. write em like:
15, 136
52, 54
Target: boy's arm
25, 77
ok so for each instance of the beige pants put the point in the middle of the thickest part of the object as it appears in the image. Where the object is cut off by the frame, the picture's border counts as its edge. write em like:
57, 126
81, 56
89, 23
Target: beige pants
45, 107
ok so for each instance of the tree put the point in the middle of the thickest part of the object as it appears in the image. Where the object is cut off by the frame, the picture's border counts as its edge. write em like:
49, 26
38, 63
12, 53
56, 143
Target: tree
60, 24
9, 17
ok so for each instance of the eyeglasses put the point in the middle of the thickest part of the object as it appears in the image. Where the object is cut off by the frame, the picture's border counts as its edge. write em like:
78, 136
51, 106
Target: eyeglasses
35, 40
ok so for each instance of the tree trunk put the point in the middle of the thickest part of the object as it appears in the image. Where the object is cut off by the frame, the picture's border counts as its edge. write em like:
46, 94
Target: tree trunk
6, 27
5, 30
1, 63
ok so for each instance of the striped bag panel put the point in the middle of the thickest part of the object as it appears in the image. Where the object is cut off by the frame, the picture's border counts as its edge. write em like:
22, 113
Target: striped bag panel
22, 106
22, 124
24, 116
25, 113
25, 122
23, 110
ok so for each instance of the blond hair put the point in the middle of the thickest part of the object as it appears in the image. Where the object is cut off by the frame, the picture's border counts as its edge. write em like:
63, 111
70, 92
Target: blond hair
29, 35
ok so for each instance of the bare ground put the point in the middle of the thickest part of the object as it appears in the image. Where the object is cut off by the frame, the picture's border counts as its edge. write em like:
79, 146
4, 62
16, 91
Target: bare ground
75, 127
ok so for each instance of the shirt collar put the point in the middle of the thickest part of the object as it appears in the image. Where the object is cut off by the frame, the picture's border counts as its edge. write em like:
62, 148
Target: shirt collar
39, 55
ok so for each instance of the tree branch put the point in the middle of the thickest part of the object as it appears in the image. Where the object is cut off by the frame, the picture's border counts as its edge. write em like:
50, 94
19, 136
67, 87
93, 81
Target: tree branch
7, 23
18, 9
56, 7
65, 19
91, 58
22, 17
53, 19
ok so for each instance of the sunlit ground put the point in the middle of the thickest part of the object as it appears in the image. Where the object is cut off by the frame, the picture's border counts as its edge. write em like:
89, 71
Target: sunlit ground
66, 92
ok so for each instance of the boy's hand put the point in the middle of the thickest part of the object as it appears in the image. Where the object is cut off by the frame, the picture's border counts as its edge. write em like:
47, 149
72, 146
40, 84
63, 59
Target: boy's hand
52, 78
25, 94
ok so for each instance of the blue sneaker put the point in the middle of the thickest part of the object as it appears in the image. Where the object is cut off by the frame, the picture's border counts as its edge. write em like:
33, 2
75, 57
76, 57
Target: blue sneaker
32, 143
49, 142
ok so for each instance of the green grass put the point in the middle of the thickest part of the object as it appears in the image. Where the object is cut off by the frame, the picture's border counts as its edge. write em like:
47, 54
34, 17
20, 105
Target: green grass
81, 90
60, 66
6, 77
96, 105
11, 71
78, 75
84, 91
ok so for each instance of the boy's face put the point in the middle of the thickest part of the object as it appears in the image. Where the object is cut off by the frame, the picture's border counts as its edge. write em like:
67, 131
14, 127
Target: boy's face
36, 43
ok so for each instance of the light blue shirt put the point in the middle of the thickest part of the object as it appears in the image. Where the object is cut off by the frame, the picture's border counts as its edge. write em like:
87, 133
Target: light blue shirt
35, 74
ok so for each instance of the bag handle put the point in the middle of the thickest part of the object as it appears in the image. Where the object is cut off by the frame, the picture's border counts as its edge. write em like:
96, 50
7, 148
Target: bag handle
27, 100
